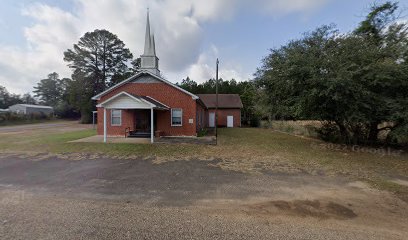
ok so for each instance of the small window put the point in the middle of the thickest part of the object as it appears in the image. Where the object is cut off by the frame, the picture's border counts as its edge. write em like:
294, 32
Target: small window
176, 117
116, 117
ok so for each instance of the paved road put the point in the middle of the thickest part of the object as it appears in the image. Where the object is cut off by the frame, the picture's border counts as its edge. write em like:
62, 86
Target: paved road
42, 126
51, 198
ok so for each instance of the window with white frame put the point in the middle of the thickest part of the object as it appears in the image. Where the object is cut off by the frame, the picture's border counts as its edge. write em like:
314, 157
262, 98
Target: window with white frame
176, 117
116, 117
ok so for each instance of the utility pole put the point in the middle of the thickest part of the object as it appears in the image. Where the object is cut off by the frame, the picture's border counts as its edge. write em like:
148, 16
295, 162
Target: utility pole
216, 102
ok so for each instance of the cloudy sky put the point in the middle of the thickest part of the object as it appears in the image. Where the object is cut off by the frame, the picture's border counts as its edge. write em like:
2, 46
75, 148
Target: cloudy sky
190, 34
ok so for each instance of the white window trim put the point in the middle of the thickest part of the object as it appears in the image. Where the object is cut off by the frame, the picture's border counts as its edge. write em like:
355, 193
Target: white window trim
120, 117
171, 119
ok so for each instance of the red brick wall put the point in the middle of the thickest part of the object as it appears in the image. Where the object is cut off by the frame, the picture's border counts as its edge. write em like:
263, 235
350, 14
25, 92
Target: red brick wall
202, 118
222, 116
164, 93
127, 121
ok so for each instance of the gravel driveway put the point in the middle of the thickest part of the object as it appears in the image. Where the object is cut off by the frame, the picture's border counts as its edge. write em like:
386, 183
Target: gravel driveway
52, 198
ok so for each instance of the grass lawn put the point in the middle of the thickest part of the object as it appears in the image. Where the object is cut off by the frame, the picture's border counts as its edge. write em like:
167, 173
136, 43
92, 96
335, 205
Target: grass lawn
246, 149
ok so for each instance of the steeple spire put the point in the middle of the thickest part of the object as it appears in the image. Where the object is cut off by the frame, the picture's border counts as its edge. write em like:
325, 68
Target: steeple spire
148, 37
150, 62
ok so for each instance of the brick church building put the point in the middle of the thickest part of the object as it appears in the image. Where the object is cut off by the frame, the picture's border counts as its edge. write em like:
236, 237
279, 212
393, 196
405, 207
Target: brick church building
146, 104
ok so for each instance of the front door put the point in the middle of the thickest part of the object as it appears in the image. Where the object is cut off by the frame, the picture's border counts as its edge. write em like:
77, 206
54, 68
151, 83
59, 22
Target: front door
142, 123
211, 120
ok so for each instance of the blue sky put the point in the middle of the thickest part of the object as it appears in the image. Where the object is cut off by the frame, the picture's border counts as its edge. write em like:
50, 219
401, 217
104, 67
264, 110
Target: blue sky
190, 34
248, 37
12, 21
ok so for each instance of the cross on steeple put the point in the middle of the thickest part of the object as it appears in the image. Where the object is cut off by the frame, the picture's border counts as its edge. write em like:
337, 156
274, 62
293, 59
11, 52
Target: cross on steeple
149, 60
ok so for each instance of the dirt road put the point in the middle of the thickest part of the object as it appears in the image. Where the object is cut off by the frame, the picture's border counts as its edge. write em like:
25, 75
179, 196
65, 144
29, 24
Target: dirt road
53, 198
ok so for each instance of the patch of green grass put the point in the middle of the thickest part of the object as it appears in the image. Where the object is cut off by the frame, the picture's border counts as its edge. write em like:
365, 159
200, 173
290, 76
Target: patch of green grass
315, 155
383, 184
60, 143
41, 141
66, 137
387, 185
304, 152
303, 128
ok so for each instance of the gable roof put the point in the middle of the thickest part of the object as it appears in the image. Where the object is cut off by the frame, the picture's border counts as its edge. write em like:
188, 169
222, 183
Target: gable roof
141, 73
224, 100
154, 102
145, 99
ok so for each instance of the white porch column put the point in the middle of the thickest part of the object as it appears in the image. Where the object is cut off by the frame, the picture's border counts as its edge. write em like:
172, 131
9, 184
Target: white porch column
151, 126
104, 125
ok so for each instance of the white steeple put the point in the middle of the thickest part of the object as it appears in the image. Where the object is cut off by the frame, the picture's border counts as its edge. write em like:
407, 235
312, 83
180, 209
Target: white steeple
150, 62
153, 45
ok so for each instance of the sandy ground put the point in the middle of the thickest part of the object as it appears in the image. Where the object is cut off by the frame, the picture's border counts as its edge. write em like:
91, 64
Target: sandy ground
62, 218
51, 198
92, 196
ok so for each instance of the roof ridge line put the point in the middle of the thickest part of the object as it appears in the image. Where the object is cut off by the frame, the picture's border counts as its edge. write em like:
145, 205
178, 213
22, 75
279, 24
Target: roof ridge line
98, 96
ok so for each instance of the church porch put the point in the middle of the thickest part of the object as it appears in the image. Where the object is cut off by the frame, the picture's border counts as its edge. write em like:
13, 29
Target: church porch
130, 115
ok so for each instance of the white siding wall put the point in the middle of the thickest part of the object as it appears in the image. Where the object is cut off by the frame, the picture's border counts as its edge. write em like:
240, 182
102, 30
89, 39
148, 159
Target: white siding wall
18, 109
125, 102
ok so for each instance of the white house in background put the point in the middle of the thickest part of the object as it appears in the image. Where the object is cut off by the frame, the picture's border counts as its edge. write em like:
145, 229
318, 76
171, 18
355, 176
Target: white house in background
31, 109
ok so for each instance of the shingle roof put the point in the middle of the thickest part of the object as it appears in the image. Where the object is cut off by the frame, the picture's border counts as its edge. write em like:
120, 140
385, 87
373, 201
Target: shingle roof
224, 100
154, 102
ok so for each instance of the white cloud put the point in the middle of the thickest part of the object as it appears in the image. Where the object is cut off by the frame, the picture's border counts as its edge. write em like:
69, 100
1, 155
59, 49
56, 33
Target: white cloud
52, 33
177, 25
53, 26
205, 68
282, 7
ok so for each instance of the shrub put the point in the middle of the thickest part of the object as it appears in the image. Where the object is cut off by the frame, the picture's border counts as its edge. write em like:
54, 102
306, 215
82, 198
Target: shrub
202, 132
265, 124
10, 118
398, 136
255, 122
329, 132
311, 130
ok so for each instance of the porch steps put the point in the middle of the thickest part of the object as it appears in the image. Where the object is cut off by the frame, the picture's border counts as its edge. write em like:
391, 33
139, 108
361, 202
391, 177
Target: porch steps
138, 135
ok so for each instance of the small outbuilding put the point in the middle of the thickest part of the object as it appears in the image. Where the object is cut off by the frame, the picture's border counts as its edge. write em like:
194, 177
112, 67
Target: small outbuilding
31, 109
229, 109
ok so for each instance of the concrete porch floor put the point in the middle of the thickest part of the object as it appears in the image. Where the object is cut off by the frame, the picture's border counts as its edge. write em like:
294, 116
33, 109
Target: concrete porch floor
118, 139
209, 140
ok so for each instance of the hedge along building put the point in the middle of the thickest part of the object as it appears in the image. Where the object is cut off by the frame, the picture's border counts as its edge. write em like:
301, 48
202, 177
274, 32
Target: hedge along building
146, 103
